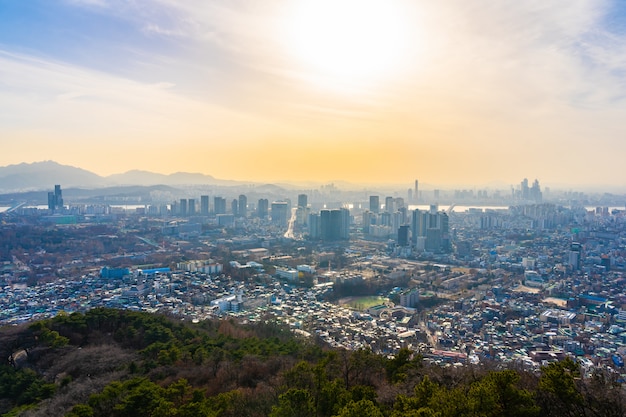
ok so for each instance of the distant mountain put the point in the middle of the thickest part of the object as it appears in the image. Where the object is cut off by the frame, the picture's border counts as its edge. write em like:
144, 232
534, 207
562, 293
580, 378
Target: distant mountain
44, 175
137, 177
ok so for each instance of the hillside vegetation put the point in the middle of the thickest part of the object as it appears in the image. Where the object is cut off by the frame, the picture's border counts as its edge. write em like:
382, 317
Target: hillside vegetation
120, 363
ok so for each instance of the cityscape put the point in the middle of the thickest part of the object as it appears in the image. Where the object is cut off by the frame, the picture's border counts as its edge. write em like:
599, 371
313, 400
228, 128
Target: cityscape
520, 278
312, 208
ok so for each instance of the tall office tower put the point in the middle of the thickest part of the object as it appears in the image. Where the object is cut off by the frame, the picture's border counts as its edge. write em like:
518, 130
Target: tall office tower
51, 201
409, 195
398, 202
280, 213
182, 207
302, 215
219, 205
234, 207
374, 204
389, 205
524, 190
444, 223
58, 196
419, 225
55, 200
435, 227
302, 200
263, 208
416, 191
535, 192
368, 219
403, 235
335, 224
191, 207
243, 206
315, 228
204, 205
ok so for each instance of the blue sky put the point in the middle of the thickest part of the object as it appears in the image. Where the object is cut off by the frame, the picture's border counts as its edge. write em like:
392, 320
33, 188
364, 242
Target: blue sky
477, 92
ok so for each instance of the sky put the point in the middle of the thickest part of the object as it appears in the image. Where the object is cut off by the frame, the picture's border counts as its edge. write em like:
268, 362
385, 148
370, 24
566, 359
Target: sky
368, 91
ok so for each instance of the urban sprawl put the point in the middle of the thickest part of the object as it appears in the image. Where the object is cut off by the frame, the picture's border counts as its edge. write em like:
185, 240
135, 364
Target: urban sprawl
525, 276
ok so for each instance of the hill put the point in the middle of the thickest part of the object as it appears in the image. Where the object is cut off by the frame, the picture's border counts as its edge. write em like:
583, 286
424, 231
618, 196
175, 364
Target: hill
120, 363
43, 175
39, 176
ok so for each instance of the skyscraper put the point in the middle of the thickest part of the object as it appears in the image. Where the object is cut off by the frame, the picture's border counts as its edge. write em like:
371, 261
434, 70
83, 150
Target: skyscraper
204, 205
234, 207
302, 200
280, 213
243, 206
263, 208
219, 205
182, 207
55, 199
403, 235
315, 229
390, 205
335, 224
191, 207
433, 227
374, 204
416, 192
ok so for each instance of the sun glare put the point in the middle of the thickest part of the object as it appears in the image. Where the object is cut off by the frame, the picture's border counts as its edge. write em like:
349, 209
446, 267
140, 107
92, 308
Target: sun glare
353, 41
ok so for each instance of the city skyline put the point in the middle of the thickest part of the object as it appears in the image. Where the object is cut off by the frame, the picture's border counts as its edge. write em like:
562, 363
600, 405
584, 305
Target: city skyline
450, 93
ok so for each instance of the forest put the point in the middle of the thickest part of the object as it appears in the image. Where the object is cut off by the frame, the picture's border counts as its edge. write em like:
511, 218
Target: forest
108, 362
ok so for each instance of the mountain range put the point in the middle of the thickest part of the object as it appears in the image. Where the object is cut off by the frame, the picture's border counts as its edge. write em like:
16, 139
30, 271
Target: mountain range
43, 175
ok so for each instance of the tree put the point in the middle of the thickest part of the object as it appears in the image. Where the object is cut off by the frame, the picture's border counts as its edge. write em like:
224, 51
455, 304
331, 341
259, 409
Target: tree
295, 402
497, 395
362, 408
558, 392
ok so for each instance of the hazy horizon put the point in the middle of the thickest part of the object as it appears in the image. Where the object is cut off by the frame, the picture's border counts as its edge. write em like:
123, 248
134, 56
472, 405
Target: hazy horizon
368, 92
341, 184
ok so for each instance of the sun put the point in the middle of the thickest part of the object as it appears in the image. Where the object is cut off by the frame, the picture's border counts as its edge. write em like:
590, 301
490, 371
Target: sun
348, 41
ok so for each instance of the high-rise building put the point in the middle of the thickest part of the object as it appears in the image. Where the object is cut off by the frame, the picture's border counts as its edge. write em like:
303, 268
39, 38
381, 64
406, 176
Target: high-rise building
204, 205
419, 225
390, 205
263, 208
219, 205
243, 206
315, 228
280, 213
335, 224
403, 235
191, 207
234, 207
302, 200
524, 190
369, 218
55, 199
416, 191
432, 226
374, 204
182, 207
535, 192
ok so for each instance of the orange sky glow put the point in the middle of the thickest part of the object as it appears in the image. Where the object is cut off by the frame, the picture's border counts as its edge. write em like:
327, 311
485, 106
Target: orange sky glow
366, 91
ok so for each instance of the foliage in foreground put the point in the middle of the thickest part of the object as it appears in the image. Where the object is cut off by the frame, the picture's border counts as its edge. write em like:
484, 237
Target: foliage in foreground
119, 363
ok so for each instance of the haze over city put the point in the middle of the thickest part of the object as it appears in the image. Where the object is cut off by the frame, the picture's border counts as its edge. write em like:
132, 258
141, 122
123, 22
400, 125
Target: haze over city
449, 92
